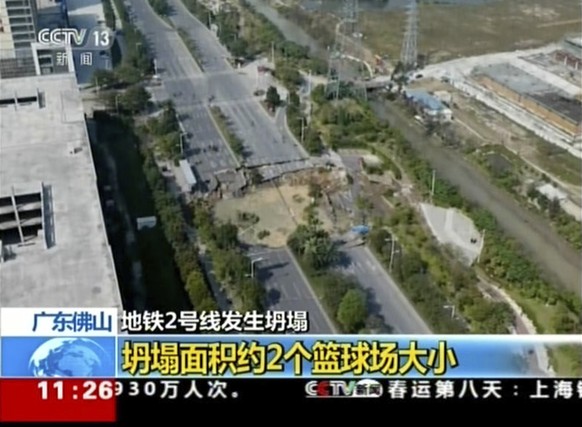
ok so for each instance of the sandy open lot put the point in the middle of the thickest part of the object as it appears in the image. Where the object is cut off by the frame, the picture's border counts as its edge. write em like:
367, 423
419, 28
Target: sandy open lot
279, 211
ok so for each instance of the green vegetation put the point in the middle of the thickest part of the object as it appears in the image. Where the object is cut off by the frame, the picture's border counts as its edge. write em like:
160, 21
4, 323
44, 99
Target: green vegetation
161, 7
136, 64
435, 276
109, 14
340, 295
191, 46
507, 171
161, 279
165, 131
558, 162
230, 265
222, 121
565, 224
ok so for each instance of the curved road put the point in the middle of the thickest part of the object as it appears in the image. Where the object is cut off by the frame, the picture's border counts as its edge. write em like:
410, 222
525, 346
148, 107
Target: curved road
549, 250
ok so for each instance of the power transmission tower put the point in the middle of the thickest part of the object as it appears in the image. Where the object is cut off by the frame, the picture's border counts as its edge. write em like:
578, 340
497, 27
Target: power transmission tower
350, 17
409, 54
344, 29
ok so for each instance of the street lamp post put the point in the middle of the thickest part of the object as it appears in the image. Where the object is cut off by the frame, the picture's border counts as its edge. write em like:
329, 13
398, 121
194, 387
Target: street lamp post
393, 251
253, 262
182, 136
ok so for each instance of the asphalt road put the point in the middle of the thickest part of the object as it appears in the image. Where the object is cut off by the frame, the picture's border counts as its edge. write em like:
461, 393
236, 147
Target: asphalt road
233, 93
204, 147
287, 288
549, 250
386, 297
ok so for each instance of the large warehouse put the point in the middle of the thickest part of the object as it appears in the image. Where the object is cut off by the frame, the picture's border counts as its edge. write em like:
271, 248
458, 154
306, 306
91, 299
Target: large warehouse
542, 99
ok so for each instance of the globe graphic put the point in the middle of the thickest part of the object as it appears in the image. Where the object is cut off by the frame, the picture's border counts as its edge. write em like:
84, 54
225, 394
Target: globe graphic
68, 357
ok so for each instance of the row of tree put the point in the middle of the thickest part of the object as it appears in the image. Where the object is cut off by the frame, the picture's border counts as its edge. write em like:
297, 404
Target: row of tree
566, 225
172, 216
340, 295
510, 179
231, 267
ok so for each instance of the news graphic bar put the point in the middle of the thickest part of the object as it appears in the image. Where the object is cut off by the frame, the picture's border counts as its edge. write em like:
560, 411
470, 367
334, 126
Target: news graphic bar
292, 356
57, 400
176, 397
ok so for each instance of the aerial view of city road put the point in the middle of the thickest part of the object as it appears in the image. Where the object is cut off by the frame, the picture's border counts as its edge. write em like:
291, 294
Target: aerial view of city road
332, 167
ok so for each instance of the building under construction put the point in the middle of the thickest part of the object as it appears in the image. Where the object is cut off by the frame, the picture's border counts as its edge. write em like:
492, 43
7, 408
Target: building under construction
541, 99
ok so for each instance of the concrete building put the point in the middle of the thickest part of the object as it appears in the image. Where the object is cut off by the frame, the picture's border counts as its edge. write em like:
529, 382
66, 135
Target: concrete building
570, 52
430, 106
542, 99
18, 26
53, 244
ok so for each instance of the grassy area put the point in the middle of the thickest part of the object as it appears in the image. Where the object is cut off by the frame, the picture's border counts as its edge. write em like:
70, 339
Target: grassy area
191, 45
542, 314
450, 31
558, 162
163, 286
228, 135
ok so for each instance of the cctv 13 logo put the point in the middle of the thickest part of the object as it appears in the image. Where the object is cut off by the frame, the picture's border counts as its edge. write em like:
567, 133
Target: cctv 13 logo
343, 389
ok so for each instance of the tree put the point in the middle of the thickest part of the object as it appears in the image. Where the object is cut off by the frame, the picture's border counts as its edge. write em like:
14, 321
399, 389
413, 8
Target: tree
272, 97
169, 146
161, 7
135, 99
255, 177
251, 295
104, 78
128, 74
196, 288
352, 311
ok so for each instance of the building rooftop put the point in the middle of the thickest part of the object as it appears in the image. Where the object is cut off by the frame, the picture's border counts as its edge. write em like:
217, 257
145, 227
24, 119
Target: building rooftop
47, 171
426, 99
515, 79
570, 108
527, 84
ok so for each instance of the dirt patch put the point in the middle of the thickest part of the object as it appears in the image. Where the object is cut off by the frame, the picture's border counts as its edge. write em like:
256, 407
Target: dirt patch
269, 215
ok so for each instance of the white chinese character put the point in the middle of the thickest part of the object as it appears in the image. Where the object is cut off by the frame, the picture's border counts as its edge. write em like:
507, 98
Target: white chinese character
232, 321
276, 321
421, 389
170, 390
540, 388
445, 389
193, 391
298, 321
210, 321
188, 320
254, 321
62, 59
131, 321
86, 58
491, 389
468, 387
563, 389
579, 389
216, 389
170, 323
153, 321
397, 389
